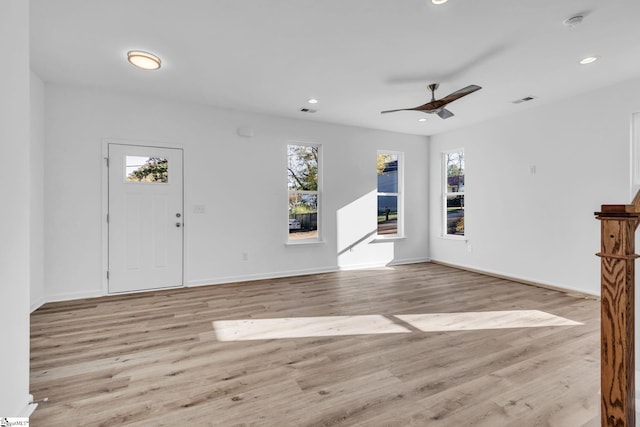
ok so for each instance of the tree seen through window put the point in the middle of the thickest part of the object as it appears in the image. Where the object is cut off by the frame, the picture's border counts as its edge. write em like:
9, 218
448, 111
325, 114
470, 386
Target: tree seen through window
454, 193
147, 169
303, 175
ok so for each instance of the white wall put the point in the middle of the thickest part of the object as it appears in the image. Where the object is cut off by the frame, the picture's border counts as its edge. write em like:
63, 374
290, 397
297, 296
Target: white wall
540, 226
15, 212
241, 181
37, 192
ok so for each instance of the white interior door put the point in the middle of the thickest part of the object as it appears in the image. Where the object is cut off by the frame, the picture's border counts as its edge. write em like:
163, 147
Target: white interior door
145, 218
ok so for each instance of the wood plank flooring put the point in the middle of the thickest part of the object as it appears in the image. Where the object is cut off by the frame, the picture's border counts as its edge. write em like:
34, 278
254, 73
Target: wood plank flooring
154, 359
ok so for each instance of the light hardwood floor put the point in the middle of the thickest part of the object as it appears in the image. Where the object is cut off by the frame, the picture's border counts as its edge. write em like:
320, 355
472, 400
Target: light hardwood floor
154, 359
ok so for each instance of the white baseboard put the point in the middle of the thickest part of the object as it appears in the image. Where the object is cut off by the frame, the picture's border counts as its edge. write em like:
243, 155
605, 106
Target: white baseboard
74, 295
519, 279
410, 261
362, 266
233, 279
27, 409
37, 304
293, 273
258, 276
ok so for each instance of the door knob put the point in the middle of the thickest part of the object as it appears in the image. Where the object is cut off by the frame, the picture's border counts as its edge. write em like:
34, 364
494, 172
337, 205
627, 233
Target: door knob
178, 224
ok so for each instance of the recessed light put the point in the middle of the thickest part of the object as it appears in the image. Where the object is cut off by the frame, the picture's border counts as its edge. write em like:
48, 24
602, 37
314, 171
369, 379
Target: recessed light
439, 1
588, 60
144, 60
422, 120
312, 101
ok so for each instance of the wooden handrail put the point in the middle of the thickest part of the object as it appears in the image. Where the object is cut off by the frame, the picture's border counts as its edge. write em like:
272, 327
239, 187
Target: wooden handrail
617, 260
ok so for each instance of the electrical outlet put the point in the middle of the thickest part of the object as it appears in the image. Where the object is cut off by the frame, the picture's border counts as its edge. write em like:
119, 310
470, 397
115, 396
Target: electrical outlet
199, 209
245, 256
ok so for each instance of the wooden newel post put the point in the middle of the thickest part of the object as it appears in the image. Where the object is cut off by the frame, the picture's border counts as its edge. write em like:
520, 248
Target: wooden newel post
617, 366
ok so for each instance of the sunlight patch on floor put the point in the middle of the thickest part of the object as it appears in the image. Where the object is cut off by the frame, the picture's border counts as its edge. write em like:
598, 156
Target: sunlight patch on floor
299, 327
439, 322
332, 326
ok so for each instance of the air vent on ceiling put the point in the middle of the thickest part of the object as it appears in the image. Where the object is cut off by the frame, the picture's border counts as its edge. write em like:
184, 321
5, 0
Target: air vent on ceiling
525, 99
308, 110
573, 21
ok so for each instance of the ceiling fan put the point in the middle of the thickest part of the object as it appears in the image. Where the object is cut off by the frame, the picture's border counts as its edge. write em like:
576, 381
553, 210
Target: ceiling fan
436, 106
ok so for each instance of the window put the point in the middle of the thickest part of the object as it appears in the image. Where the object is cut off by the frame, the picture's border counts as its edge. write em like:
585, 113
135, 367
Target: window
453, 194
146, 169
304, 182
389, 167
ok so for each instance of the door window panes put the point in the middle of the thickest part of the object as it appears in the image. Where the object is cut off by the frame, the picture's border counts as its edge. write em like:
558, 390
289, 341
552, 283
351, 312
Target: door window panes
146, 169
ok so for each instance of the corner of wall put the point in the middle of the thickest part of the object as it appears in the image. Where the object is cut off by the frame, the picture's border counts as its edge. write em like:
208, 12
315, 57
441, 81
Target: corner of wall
36, 183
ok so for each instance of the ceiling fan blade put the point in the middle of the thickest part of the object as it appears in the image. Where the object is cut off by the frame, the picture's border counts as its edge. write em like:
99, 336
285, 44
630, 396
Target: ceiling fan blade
429, 106
400, 109
460, 93
445, 114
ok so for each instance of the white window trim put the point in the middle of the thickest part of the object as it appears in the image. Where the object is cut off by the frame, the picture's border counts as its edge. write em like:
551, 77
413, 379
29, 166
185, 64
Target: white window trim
318, 239
454, 237
305, 242
400, 194
443, 211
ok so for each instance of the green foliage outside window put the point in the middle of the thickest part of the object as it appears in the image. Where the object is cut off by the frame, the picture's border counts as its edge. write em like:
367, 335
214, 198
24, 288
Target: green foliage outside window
155, 169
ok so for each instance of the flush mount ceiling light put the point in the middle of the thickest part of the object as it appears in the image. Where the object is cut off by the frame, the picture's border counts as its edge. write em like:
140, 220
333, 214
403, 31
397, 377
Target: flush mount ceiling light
588, 60
144, 60
312, 101
439, 1
422, 120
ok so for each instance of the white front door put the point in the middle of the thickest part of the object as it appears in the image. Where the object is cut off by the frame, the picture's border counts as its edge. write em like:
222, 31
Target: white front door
145, 218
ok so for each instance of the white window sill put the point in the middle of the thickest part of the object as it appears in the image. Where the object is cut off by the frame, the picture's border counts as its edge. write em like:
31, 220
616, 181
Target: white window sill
303, 242
380, 239
454, 237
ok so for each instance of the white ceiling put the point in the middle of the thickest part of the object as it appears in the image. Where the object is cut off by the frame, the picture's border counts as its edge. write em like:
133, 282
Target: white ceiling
357, 57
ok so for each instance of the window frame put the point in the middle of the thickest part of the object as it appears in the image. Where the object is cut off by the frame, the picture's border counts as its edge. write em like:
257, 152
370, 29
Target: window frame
400, 197
317, 193
446, 193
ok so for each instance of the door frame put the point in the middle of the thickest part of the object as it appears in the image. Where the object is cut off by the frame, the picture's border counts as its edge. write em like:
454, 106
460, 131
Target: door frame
104, 210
